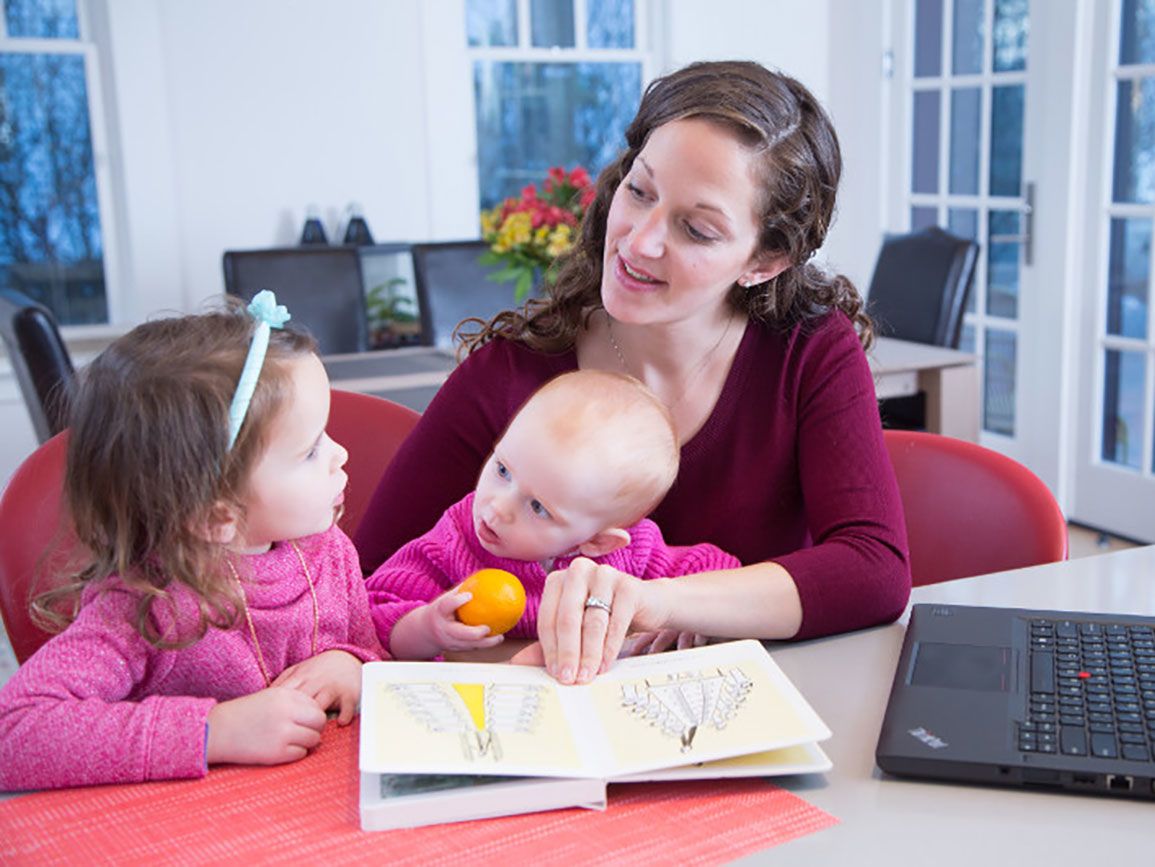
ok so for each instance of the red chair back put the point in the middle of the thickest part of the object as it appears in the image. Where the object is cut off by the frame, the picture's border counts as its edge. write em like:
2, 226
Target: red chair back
30, 514
971, 510
371, 429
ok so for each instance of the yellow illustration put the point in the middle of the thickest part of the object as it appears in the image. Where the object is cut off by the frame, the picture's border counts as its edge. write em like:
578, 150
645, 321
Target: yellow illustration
478, 713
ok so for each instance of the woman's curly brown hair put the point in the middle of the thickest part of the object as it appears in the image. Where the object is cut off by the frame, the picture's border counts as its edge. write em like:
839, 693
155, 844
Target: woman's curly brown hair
800, 165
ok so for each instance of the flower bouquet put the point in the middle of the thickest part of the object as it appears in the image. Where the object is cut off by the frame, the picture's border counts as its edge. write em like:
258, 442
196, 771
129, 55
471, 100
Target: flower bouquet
527, 234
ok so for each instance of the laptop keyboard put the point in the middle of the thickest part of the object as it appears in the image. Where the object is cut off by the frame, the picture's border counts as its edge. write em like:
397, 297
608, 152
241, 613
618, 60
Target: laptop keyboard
1092, 690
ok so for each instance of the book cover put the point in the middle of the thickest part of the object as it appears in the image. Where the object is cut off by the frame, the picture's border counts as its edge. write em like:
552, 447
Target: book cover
390, 801
676, 710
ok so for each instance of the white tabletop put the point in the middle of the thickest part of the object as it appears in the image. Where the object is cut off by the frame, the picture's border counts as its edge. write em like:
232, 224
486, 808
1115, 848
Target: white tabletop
889, 821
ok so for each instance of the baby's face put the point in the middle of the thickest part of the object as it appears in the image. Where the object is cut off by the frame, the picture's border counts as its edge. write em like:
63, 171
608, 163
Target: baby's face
535, 502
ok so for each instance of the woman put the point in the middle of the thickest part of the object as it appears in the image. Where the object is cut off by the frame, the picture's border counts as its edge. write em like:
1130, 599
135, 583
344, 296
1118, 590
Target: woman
692, 274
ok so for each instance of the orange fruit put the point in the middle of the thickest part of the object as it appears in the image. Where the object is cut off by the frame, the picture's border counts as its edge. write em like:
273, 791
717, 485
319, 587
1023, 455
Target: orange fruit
498, 600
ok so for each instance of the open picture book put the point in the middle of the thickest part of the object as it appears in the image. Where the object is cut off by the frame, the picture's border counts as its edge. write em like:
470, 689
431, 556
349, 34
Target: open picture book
442, 742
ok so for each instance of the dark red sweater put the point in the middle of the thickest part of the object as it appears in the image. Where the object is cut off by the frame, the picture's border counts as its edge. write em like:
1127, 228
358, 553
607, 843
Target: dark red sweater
789, 467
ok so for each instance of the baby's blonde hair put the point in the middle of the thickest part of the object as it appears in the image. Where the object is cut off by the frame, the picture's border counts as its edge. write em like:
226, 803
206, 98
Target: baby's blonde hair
617, 420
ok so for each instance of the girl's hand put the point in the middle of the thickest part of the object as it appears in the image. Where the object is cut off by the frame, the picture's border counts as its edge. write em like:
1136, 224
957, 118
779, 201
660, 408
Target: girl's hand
579, 642
270, 727
640, 643
332, 678
432, 629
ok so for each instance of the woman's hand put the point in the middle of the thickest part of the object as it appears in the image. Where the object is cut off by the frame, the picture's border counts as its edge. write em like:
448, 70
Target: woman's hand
430, 630
578, 641
270, 727
332, 678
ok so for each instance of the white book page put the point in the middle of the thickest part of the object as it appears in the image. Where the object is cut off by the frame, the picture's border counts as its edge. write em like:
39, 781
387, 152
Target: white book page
646, 713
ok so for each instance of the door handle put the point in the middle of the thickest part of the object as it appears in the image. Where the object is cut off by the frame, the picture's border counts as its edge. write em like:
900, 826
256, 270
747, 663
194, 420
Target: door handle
1027, 238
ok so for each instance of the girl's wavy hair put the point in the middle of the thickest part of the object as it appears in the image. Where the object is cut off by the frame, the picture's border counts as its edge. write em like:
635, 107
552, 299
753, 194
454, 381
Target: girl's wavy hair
799, 165
148, 464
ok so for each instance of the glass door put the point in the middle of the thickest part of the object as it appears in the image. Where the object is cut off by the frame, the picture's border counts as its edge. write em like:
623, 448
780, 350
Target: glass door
967, 98
1115, 457
987, 111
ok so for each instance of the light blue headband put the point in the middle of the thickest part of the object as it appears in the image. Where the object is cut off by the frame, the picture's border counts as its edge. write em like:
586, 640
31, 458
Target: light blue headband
269, 314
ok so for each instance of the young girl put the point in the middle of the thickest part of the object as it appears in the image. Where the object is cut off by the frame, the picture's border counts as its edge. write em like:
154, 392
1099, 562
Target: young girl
220, 612
574, 475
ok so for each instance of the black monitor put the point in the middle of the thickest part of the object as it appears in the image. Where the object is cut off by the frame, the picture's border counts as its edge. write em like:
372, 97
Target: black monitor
453, 285
321, 286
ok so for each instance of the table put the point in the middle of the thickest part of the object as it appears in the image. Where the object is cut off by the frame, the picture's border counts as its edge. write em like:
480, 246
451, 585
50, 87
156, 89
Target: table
949, 378
888, 821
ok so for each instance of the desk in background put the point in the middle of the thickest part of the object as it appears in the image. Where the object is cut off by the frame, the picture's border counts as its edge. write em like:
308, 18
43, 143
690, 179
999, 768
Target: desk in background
887, 821
412, 376
948, 377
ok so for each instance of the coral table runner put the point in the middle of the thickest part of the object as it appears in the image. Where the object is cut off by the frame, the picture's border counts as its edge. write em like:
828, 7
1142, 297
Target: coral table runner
308, 812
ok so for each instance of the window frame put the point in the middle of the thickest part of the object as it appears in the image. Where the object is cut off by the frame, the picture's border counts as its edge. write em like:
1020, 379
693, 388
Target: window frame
84, 45
642, 52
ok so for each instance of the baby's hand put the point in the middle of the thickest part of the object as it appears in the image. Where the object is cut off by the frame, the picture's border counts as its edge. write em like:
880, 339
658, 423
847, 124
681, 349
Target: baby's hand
449, 632
269, 727
332, 678
432, 629
641, 643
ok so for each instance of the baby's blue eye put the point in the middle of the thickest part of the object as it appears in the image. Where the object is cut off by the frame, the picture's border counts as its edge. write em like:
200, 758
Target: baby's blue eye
312, 453
538, 509
501, 470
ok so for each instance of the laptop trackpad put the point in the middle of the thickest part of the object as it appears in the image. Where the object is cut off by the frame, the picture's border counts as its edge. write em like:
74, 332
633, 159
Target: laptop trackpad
962, 666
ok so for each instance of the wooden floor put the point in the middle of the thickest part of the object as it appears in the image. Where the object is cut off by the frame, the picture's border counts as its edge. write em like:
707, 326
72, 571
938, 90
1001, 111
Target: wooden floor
1084, 543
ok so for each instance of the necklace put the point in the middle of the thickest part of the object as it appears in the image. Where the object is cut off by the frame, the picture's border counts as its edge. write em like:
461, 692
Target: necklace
249, 617
694, 374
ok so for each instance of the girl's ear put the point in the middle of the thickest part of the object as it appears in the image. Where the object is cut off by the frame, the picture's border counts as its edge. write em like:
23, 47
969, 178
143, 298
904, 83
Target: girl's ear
763, 269
605, 542
221, 525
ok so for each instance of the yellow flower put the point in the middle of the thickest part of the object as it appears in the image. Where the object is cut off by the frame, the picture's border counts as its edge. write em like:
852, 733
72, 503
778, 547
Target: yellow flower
488, 223
560, 240
517, 229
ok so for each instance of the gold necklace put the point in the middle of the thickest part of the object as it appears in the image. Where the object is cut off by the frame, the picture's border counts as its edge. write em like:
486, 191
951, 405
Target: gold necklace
694, 374
249, 617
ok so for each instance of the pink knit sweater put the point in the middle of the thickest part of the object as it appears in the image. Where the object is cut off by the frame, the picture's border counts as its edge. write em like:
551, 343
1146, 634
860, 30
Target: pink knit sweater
99, 704
450, 552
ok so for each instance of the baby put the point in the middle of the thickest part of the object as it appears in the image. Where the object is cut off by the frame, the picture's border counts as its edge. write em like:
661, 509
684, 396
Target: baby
583, 462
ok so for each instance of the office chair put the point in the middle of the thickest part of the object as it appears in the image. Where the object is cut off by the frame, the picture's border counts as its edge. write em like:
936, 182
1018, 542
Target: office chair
371, 429
40, 359
36, 535
919, 292
453, 285
321, 286
971, 510
920, 285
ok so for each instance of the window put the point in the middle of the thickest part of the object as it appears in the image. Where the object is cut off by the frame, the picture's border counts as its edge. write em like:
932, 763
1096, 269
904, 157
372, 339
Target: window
51, 243
555, 83
968, 98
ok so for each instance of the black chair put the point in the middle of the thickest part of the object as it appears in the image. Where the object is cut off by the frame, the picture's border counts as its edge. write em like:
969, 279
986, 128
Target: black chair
40, 359
919, 293
920, 286
322, 287
453, 285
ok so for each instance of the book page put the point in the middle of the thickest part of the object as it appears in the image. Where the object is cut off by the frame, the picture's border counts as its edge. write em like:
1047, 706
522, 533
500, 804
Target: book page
422, 717
679, 708
700, 705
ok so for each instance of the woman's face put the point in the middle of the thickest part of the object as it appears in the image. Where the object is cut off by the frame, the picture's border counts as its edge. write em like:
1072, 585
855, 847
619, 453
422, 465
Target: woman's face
682, 226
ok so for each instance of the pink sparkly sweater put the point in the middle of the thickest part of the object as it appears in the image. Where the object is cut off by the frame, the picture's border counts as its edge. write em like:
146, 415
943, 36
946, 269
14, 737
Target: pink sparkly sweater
426, 567
99, 704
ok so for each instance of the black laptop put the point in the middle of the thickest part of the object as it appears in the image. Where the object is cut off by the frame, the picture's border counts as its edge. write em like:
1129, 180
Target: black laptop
1007, 696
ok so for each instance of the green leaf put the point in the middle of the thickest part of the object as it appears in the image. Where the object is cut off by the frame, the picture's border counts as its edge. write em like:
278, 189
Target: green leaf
524, 286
